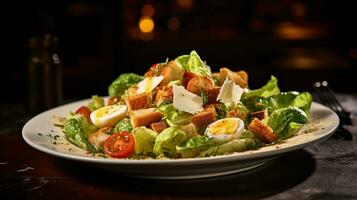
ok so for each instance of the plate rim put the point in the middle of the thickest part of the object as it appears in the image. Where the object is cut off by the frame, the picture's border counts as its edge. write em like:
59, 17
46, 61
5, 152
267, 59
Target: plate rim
205, 160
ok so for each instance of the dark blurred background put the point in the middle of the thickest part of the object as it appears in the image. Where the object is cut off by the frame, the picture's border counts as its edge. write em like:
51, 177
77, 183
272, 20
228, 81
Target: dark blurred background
299, 41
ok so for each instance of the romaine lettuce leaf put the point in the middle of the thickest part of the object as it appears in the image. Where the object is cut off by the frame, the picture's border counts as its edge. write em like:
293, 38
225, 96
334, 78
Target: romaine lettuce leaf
144, 141
172, 116
229, 147
123, 125
167, 140
77, 129
269, 89
96, 103
286, 99
249, 99
122, 83
194, 64
303, 101
286, 121
194, 146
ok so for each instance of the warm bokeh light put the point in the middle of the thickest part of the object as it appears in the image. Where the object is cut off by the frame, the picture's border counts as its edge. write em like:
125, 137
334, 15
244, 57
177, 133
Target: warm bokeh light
146, 24
147, 10
184, 4
173, 23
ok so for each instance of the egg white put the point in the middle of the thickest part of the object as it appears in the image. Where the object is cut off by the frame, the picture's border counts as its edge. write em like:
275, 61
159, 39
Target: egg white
108, 115
226, 137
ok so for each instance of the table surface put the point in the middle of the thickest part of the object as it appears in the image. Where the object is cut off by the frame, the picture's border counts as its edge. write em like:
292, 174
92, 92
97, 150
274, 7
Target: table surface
327, 170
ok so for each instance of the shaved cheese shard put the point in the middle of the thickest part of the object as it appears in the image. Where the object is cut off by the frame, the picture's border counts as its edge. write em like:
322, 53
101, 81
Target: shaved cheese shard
186, 101
230, 92
149, 83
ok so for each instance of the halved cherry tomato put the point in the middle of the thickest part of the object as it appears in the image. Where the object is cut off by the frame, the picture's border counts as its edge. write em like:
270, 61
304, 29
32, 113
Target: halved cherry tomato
119, 145
85, 111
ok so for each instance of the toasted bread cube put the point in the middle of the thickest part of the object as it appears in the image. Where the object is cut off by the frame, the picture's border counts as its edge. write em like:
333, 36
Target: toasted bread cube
172, 71
211, 108
165, 94
199, 83
244, 75
189, 129
212, 94
216, 75
144, 117
158, 126
262, 131
203, 119
240, 78
138, 101
261, 114
98, 138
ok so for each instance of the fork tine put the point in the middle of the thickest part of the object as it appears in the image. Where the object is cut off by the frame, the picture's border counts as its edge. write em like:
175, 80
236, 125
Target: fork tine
322, 96
328, 97
332, 96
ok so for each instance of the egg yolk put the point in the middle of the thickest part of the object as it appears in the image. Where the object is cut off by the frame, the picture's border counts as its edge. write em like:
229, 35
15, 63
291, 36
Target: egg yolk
104, 111
226, 126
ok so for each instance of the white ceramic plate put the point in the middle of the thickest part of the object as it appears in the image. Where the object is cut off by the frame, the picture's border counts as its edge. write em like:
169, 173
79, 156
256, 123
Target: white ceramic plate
41, 134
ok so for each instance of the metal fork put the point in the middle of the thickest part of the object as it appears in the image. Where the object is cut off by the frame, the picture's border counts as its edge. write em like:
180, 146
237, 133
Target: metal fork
328, 97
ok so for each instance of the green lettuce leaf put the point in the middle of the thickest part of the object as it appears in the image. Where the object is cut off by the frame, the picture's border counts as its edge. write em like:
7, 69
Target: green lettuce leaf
123, 125
96, 103
269, 89
286, 121
194, 64
194, 146
144, 141
286, 99
122, 83
252, 98
303, 101
172, 116
229, 147
167, 140
77, 129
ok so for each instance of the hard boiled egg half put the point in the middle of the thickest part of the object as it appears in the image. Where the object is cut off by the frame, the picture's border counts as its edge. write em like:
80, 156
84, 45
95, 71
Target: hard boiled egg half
108, 115
225, 130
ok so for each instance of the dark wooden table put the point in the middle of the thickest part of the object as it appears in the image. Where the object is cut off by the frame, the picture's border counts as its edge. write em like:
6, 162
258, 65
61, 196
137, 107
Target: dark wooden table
327, 170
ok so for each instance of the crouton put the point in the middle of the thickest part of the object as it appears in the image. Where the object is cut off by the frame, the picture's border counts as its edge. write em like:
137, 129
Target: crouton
165, 94
138, 101
158, 126
144, 117
240, 78
211, 108
113, 100
262, 131
172, 71
98, 138
243, 74
198, 83
216, 75
212, 94
261, 114
155, 70
235, 112
189, 129
203, 119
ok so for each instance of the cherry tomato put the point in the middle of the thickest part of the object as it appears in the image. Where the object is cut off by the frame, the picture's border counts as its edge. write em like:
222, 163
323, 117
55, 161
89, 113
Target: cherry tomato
85, 111
119, 145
